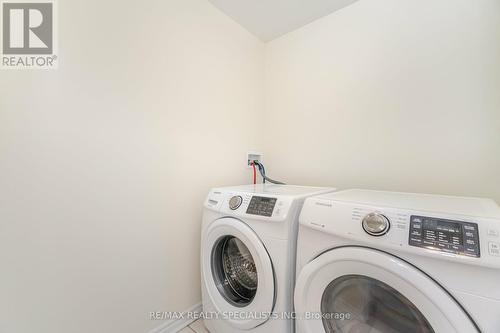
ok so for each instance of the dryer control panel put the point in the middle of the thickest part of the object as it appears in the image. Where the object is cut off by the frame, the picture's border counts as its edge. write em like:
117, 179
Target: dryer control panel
273, 208
263, 206
455, 229
445, 235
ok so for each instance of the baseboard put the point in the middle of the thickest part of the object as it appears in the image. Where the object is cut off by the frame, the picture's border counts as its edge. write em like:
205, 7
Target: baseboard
175, 325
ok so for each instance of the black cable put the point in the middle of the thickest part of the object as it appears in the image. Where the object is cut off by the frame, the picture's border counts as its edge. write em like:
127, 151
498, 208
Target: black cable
263, 174
263, 171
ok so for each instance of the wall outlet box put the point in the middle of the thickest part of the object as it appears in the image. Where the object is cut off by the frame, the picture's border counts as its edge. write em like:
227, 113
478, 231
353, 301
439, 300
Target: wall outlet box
254, 156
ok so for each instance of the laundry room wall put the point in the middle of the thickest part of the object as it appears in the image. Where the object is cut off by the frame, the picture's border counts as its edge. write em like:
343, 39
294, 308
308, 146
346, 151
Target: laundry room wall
105, 162
393, 94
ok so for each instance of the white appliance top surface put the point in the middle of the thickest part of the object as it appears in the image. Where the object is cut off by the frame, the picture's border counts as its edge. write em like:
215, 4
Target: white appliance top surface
288, 190
479, 207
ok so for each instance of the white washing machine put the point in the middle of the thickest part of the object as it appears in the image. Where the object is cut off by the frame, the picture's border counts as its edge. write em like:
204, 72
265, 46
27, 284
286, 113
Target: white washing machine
248, 251
383, 262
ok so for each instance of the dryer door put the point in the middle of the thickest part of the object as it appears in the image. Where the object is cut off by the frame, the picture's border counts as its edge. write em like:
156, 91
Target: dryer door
356, 289
238, 273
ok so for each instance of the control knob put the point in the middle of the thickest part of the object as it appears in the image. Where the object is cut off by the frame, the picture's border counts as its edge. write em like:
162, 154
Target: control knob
235, 202
376, 224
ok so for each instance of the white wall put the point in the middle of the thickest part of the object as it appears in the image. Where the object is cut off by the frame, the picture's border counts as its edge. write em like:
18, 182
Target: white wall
389, 94
104, 163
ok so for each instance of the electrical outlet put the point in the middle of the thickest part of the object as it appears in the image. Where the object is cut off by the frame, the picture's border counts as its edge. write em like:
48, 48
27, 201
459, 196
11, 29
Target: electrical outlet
254, 156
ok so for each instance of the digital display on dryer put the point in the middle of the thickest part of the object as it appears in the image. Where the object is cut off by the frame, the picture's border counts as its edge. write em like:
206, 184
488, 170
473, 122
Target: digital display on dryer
262, 206
442, 231
457, 237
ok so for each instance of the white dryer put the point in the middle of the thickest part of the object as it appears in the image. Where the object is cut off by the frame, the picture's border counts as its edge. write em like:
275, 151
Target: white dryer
248, 251
384, 262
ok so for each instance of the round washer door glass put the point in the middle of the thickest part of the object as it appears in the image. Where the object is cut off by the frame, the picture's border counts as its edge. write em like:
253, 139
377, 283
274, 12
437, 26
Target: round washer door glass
372, 306
234, 271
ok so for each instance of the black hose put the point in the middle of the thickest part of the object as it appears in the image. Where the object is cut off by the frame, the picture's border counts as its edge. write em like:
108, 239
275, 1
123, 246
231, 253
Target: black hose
263, 174
263, 171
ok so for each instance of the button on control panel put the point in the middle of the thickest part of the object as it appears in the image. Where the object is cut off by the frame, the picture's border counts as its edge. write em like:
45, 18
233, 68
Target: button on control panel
493, 232
444, 235
494, 248
262, 206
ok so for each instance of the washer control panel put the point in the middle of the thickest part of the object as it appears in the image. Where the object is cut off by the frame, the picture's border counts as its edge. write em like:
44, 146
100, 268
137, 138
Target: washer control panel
452, 236
262, 206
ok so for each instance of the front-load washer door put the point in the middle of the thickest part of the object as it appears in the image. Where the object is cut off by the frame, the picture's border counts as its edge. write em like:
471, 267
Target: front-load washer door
238, 273
357, 289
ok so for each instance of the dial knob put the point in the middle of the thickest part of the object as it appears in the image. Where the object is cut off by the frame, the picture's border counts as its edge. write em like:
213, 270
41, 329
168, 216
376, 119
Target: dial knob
235, 202
376, 224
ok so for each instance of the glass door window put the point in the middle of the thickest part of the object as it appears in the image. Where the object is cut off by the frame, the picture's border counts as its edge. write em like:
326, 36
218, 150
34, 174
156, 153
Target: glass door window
234, 271
371, 306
